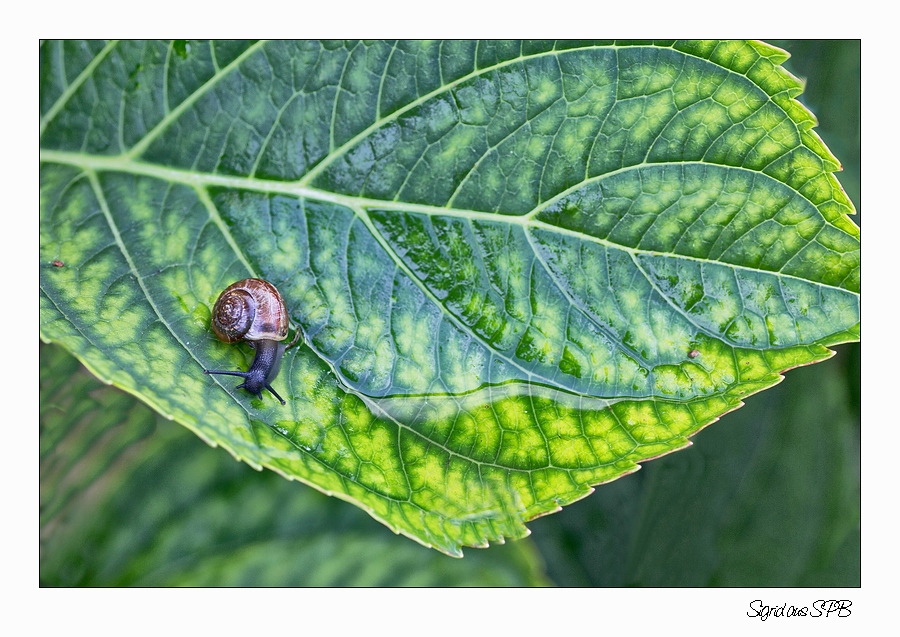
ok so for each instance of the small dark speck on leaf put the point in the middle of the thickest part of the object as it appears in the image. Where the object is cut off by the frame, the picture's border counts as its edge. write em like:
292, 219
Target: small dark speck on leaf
694, 353
58, 263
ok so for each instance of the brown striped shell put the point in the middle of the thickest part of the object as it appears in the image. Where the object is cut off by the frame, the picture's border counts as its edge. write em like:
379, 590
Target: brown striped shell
250, 310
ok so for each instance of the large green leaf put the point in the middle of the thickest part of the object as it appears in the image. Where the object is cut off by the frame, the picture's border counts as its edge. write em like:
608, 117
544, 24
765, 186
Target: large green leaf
521, 268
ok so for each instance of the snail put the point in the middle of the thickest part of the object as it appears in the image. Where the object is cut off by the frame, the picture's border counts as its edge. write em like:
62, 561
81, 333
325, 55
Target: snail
254, 311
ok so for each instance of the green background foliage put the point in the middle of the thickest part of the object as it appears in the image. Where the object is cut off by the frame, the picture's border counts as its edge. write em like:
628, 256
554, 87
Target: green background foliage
749, 487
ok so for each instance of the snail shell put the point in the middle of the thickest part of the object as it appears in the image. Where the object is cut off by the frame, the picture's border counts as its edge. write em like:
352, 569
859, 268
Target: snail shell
250, 310
254, 312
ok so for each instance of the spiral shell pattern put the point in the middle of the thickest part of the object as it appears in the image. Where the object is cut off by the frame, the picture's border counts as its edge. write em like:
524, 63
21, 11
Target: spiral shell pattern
250, 310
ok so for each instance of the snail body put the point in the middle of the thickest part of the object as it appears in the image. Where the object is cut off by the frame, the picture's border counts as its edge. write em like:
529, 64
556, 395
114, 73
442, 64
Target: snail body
254, 312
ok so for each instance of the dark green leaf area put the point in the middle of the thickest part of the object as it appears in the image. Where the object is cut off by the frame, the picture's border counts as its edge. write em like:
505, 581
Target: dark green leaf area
428, 123
518, 134
131, 88
128, 499
61, 62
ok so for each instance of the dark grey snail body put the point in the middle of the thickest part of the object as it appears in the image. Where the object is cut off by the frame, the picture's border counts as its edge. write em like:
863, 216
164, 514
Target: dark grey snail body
254, 312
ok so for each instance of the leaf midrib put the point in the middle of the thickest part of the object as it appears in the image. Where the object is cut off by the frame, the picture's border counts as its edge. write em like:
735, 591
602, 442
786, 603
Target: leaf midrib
526, 221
